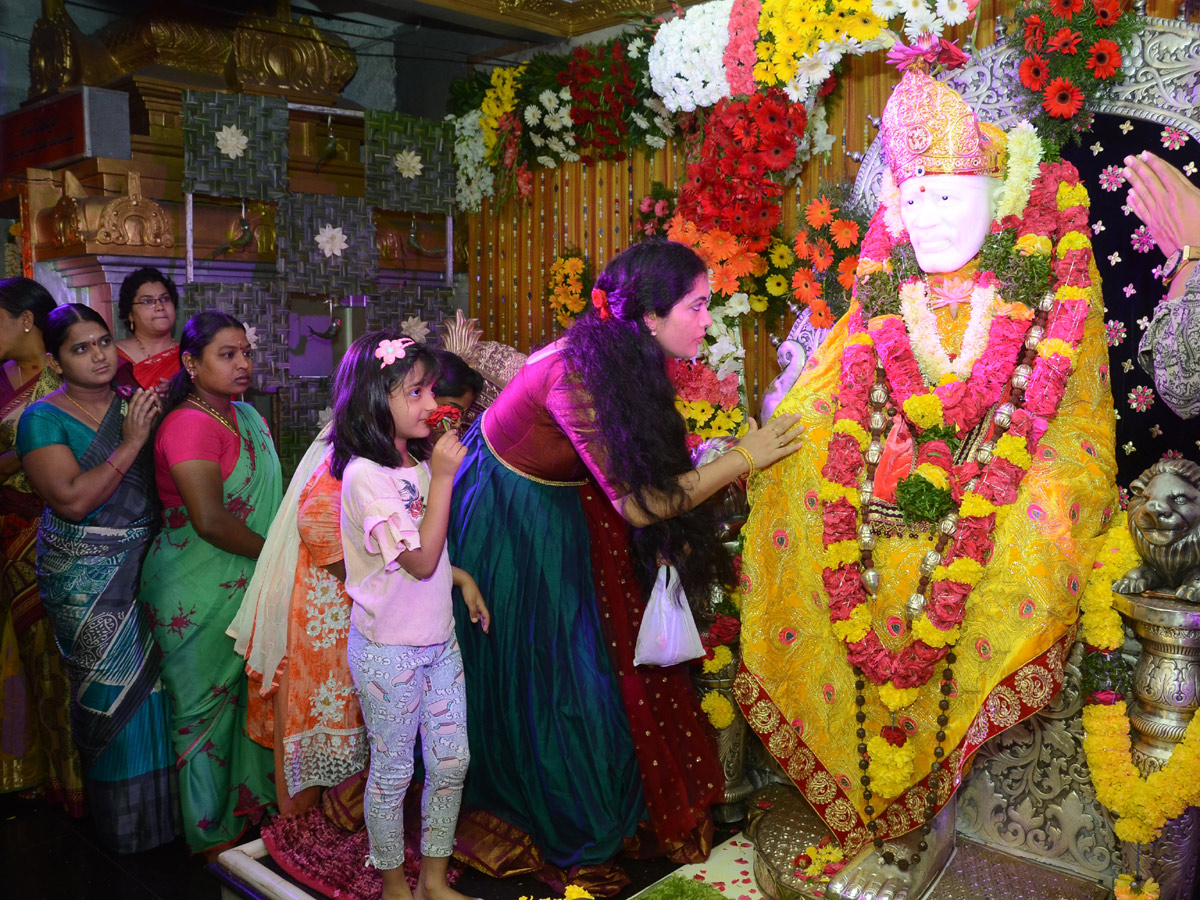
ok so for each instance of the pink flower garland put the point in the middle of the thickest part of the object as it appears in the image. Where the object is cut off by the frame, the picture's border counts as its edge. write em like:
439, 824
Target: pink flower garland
963, 404
740, 55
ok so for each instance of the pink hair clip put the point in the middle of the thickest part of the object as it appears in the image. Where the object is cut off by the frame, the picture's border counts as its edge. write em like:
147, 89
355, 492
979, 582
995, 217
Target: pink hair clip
389, 351
600, 301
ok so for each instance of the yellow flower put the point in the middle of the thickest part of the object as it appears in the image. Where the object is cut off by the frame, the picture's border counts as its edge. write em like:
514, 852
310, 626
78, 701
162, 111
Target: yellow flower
830, 491
895, 698
776, 285
575, 892
891, 768
1012, 448
841, 553
1072, 195
722, 656
1073, 240
718, 709
926, 631
935, 475
1123, 889
975, 505
1034, 245
856, 627
782, 255
1051, 346
964, 570
852, 428
758, 302
924, 410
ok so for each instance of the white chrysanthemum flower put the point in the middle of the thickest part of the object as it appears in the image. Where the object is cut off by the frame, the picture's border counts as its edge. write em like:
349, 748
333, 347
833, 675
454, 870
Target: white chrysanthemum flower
909, 7
536, 139
887, 9
232, 141
408, 164
548, 99
331, 241
635, 48
953, 12
565, 93
533, 114
554, 145
548, 162
415, 328
812, 70
653, 140
830, 53
571, 156
687, 68
922, 22
640, 121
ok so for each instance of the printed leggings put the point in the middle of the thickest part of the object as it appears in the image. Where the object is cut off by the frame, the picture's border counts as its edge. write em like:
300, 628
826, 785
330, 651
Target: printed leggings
401, 689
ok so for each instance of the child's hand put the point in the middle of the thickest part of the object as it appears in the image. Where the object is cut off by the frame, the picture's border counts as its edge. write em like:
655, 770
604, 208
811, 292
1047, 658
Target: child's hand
448, 454
474, 600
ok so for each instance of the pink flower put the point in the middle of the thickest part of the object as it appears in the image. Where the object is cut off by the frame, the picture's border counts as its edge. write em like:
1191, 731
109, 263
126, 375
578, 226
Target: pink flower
947, 603
662, 208
845, 460
841, 521
973, 539
1105, 698
647, 204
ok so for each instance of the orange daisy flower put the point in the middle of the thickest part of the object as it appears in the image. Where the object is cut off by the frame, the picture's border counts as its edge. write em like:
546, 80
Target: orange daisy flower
822, 257
845, 233
805, 286
723, 281
719, 245
802, 247
845, 271
1062, 98
1105, 58
821, 316
819, 212
741, 263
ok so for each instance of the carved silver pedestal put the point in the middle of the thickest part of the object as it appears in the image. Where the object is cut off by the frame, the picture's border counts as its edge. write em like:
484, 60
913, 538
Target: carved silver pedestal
731, 742
1166, 691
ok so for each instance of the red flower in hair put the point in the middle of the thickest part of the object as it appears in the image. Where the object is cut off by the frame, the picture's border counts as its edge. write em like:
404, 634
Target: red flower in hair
600, 301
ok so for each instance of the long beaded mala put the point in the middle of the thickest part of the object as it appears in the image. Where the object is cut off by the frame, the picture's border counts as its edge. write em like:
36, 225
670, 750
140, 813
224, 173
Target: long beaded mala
878, 420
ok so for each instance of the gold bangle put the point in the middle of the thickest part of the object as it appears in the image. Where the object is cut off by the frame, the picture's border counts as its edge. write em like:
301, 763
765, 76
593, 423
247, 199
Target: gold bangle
737, 448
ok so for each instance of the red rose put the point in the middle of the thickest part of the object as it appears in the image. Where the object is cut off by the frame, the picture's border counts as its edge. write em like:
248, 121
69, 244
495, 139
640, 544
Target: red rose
1105, 698
845, 460
973, 538
725, 630
894, 735
841, 521
446, 416
947, 603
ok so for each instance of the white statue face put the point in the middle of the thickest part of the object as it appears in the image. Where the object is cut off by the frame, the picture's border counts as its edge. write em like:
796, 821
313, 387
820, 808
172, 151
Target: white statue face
948, 217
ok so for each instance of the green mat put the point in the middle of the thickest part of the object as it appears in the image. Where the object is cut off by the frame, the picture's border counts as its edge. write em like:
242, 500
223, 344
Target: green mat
679, 888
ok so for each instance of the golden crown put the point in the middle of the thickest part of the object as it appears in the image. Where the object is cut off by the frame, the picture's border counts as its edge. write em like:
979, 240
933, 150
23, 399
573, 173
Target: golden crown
928, 129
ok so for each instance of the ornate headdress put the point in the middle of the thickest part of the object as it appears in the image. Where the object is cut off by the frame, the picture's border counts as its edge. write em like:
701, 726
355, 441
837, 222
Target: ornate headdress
928, 129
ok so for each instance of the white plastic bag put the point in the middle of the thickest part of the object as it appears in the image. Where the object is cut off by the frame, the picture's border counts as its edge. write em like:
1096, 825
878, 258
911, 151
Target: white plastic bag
668, 634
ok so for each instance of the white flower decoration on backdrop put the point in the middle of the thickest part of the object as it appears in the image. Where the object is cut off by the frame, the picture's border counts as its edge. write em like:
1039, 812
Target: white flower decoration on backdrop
415, 329
232, 141
408, 164
331, 241
252, 336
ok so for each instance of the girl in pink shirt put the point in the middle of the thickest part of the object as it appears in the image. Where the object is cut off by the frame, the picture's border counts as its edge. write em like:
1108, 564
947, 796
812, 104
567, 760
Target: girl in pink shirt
402, 650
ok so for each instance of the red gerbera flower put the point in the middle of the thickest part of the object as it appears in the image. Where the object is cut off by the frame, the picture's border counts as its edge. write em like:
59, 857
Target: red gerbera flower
1035, 32
805, 286
1065, 9
1107, 12
1105, 58
1065, 41
1062, 98
1033, 72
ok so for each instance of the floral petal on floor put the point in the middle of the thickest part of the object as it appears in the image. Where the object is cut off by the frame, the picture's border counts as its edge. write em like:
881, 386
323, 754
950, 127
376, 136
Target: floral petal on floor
728, 872
326, 858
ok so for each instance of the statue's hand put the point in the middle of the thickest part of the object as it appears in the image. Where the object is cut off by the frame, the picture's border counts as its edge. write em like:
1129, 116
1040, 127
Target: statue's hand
1138, 579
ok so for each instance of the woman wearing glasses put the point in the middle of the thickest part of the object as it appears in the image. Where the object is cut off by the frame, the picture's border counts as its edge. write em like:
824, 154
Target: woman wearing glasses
147, 307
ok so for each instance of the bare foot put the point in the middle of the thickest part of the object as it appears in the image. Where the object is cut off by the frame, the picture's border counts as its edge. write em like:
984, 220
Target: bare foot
395, 885
432, 884
867, 877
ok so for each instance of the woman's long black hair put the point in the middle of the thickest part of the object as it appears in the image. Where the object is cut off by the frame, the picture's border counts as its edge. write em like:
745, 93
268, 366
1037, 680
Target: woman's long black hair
198, 333
624, 370
18, 295
362, 417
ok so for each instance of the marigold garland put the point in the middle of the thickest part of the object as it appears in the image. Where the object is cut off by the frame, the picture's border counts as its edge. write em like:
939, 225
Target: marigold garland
1142, 805
721, 657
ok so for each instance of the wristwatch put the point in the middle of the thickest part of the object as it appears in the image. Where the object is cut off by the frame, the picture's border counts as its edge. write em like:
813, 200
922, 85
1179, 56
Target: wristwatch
1176, 260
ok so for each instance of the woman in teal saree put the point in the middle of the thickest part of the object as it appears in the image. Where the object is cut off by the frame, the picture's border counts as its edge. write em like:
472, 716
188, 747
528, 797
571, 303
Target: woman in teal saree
82, 447
219, 480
